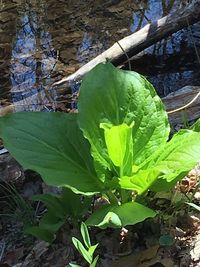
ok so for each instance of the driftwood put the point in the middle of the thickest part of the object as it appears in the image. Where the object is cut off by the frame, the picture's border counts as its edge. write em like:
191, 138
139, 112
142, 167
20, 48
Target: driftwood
141, 39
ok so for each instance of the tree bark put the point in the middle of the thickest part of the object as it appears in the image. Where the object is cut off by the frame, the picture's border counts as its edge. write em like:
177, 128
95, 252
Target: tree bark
141, 39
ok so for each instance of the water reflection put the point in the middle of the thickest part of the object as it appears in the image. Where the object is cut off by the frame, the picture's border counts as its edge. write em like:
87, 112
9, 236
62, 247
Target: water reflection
33, 58
165, 82
85, 49
44, 41
23, 62
91, 46
172, 62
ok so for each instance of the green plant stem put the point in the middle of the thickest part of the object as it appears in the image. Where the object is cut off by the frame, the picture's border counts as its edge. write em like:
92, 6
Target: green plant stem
123, 192
124, 196
112, 198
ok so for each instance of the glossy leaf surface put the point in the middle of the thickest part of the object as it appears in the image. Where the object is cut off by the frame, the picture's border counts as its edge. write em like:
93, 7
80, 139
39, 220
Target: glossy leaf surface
141, 181
78, 245
177, 158
114, 96
118, 216
119, 144
52, 145
85, 235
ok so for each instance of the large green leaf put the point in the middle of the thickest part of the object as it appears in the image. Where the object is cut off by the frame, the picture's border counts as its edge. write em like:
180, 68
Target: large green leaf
60, 207
111, 95
52, 202
141, 181
48, 225
52, 145
119, 145
117, 216
177, 158
74, 205
40, 233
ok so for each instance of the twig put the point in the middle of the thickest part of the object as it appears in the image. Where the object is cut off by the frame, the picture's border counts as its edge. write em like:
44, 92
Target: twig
185, 106
2, 250
37, 208
53, 67
128, 59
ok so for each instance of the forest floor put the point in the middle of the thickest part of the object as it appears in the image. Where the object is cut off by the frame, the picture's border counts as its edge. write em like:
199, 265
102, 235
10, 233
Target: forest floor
170, 239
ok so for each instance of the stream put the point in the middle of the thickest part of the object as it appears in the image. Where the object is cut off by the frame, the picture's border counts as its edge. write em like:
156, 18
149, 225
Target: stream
43, 41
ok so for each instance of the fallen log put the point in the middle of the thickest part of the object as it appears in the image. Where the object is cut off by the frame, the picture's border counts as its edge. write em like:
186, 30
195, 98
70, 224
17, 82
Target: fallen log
175, 102
138, 41
172, 102
36, 100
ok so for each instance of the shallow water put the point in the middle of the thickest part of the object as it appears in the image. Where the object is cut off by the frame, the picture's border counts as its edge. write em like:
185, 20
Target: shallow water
43, 41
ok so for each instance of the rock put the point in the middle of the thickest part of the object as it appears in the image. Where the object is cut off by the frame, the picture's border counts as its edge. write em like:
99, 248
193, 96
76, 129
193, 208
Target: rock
10, 169
32, 188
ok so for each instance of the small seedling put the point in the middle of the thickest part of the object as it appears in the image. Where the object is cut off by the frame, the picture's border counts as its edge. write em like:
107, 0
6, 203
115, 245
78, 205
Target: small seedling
85, 248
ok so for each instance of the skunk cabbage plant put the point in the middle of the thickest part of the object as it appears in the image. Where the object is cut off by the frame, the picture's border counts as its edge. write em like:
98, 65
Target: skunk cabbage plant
117, 145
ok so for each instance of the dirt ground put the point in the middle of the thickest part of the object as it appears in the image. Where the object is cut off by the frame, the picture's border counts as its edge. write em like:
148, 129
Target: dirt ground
170, 239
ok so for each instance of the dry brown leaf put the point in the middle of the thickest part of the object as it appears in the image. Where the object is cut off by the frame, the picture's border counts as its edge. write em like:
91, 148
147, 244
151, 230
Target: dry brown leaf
137, 259
12, 257
145, 258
